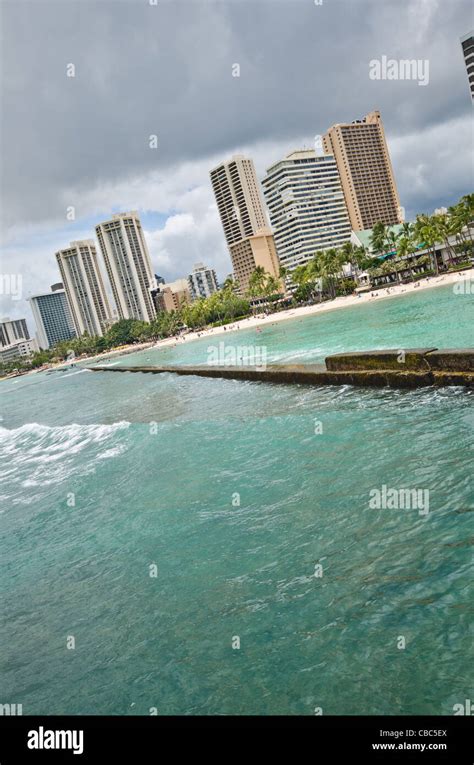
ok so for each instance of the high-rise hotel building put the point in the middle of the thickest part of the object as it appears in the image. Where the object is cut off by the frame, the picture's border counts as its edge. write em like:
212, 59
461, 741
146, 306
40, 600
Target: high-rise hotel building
238, 198
84, 287
242, 212
202, 282
128, 265
364, 165
467, 43
306, 205
52, 316
13, 330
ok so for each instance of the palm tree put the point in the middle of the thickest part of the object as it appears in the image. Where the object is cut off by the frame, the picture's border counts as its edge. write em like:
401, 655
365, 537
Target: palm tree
468, 202
361, 259
407, 248
391, 240
229, 284
378, 238
460, 218
443, 230
353, 255
347, 251
327, 265
273, 286
304, 278
425, 234
257, 282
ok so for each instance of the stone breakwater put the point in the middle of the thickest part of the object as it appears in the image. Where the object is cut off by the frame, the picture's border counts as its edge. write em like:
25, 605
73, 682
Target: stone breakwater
401, 368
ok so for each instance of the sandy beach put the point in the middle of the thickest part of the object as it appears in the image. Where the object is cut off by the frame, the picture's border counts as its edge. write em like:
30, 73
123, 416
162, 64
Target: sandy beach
261, 320
330, 305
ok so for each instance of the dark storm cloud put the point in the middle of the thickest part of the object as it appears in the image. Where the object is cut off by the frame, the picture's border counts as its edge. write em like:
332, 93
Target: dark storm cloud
167, 70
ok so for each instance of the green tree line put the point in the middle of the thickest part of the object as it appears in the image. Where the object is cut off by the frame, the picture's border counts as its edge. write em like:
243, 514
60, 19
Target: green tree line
393, 254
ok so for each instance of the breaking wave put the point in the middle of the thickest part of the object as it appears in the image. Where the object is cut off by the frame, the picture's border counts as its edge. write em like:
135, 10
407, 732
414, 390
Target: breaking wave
39, 455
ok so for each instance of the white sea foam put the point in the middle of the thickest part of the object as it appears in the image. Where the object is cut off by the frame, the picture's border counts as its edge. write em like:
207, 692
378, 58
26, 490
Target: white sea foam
100, 430
290, 356
39, 455
71, 374
114, 452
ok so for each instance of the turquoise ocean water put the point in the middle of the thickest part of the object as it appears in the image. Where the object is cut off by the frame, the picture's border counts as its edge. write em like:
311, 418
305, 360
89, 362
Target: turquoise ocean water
106, 475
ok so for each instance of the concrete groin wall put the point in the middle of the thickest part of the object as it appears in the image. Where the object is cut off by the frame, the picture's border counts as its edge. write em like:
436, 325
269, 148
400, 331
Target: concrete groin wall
413, 359
408, 368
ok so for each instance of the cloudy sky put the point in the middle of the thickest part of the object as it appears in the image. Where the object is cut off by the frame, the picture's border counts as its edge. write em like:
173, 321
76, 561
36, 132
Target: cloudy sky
166, 69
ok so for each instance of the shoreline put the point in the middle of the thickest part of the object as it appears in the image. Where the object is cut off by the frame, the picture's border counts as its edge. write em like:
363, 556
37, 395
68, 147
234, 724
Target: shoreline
346, 301
254, 322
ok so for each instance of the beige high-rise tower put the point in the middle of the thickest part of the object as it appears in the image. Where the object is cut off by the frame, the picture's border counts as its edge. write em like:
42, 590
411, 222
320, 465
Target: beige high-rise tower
242, 212
84, 286
128, 265
238, 198
364, 165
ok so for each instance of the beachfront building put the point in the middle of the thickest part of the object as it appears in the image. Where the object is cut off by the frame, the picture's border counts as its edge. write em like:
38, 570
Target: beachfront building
238, 198
13, 330
467, 44
252, 252
364, 238
443, 250
306, 205
52, 316
128, 265
171, 296
202, 282
244, 220
364, 165
84, 286
17, 350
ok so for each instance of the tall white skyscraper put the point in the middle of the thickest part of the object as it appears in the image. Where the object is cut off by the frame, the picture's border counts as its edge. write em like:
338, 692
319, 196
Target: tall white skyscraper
238, 198
84, 287
306, 203
128, 265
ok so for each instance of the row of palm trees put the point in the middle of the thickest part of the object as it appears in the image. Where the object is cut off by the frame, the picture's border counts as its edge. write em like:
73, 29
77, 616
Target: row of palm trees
393, 251
263, 284
428, 231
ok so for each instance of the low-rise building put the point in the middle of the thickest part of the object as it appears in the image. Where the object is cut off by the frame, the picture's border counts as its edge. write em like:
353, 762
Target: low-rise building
171, 296
19, 349
12, 330
252, 252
